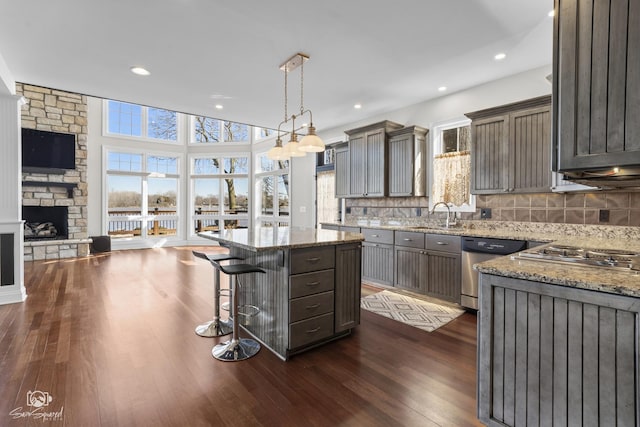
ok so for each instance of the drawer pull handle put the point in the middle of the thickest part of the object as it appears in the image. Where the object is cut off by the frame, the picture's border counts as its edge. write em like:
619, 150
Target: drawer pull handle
313, 331
311, 307
408, 240
316, 259
375, 235
442, 243
313, 283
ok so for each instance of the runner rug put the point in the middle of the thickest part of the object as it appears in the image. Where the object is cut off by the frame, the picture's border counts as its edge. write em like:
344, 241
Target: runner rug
412, 311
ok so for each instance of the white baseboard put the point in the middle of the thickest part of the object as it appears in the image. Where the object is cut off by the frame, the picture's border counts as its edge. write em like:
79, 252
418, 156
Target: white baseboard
13, 295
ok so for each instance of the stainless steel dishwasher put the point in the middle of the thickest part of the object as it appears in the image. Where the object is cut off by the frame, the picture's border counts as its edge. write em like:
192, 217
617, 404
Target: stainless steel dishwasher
479, 249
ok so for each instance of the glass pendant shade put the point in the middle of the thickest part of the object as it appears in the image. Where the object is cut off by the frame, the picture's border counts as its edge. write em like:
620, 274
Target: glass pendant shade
293, 147
278, 152
311, 143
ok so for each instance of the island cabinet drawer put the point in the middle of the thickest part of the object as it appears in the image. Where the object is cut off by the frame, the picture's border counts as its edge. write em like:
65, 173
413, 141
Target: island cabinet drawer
411, 239
443, 243
302, 285
314, 258
310, 306
373, 235
310, 330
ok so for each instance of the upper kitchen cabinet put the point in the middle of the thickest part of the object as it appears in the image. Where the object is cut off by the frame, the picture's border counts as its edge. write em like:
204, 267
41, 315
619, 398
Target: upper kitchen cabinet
368, 160
511, 148
596, 72
341, 165
407, 163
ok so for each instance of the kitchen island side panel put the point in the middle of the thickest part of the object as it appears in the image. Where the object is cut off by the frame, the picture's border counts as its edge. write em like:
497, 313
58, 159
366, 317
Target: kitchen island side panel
269, 294
559, 333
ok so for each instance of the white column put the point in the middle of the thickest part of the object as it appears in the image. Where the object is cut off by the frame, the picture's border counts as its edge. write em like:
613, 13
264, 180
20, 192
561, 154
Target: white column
11, 232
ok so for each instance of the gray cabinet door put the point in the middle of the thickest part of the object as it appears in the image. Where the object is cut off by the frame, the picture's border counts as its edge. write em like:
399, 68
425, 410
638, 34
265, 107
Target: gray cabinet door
490, 155
411, 269
376, 166
347, 287
530, 150
597, 84
554, 355
341, 164
401, 165
377, 263
443, 276
357, 165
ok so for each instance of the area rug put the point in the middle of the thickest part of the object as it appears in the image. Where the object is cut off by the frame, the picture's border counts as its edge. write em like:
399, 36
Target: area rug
412, 311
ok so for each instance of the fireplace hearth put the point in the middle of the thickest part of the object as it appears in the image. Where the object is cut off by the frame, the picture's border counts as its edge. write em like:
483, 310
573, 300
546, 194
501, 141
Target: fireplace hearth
45, 222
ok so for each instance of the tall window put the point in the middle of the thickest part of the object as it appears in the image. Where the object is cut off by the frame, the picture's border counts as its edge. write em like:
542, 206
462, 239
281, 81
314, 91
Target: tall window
452, 166
272, 191
137, 121
219, 192
142, 195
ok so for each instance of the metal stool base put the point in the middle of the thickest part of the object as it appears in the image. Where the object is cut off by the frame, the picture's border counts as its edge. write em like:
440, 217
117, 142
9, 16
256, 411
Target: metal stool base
214, 328
234, 350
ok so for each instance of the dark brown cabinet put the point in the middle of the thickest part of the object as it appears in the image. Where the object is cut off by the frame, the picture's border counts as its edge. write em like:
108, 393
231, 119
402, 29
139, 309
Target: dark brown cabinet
347, 296
511, 148
596, 73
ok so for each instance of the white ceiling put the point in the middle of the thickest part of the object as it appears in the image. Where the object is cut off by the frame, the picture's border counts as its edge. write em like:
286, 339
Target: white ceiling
383, 54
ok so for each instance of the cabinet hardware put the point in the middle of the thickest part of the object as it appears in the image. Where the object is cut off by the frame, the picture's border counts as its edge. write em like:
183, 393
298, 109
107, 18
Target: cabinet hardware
311, 307
316, 259
313, 331
313, 283
408, 240
375, 235
442, 243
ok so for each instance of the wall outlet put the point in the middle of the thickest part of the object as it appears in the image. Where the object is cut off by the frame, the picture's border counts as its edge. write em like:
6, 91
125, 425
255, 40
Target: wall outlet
485, 213
364, 211
347, 209
418, 212
604, 215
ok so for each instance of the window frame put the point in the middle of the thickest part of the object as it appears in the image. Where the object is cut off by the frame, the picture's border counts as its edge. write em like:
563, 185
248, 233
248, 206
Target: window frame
144, 125
143, 217
436, 147
191, 142
275, 219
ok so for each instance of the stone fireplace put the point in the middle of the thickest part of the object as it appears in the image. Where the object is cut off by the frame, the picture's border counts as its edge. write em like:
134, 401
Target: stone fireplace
56, 196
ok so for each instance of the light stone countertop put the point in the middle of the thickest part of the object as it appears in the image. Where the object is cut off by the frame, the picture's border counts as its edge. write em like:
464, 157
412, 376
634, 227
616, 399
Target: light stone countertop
621, 282
270, 238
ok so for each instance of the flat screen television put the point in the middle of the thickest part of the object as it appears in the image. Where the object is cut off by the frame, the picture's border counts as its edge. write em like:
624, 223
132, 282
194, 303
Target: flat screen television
44, 151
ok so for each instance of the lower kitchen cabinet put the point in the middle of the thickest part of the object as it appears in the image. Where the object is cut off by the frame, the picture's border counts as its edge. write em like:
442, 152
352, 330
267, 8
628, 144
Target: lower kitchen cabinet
411, 269
377, 256
556, 355
443, 275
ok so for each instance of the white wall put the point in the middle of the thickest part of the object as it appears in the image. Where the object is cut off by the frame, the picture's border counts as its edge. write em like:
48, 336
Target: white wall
528, 84
7, 82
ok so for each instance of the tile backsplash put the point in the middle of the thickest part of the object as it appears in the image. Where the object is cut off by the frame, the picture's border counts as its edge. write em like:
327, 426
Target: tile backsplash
602, 207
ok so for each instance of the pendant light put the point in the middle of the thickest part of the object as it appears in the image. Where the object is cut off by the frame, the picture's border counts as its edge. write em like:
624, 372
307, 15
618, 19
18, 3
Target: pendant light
310, 142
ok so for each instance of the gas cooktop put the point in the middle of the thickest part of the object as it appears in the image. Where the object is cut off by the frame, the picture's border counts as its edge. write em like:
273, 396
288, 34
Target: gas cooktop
605, 258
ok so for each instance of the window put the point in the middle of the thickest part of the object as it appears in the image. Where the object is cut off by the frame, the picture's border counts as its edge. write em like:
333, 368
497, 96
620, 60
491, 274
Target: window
137, 121
272, 189
207, 130
142, 195
219, 192
451, 172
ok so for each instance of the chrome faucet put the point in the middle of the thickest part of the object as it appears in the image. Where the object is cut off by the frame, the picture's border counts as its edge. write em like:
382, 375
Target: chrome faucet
448, 222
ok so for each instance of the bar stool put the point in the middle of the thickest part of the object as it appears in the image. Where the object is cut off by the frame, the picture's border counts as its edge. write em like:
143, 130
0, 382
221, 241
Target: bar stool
236, 348
215, 327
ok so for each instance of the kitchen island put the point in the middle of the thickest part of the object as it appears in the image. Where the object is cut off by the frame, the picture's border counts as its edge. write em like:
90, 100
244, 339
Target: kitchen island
310, 294
558, 342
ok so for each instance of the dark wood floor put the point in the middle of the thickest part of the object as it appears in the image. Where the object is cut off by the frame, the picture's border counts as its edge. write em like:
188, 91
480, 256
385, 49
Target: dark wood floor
111, 339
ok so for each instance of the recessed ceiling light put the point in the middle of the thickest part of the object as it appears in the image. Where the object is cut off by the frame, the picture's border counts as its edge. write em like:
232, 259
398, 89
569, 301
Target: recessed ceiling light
552, 13
141, 71
219, 106
500, 56
357, 106
442, 88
